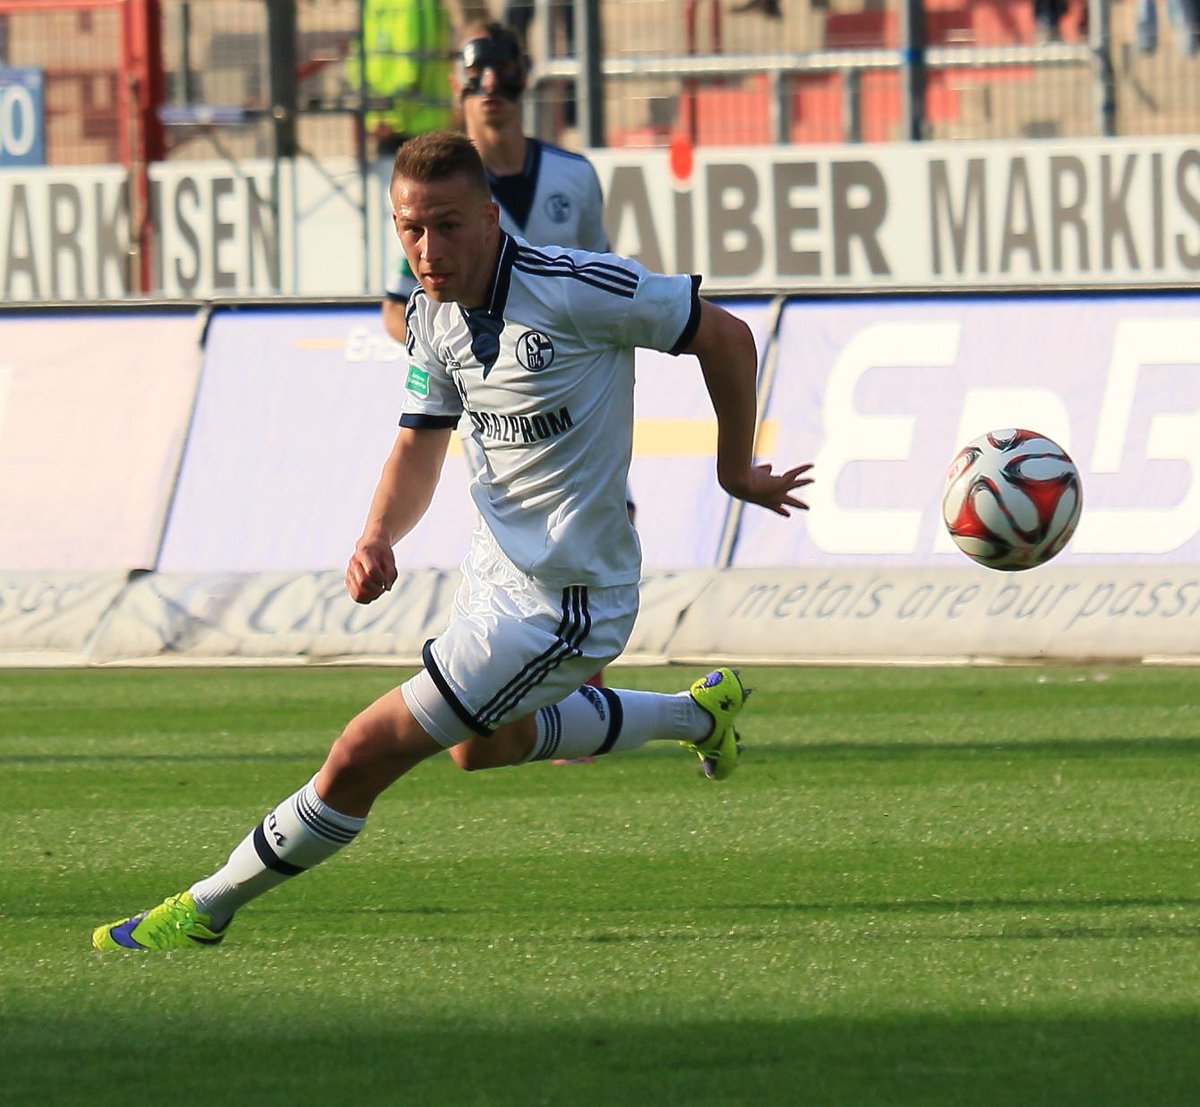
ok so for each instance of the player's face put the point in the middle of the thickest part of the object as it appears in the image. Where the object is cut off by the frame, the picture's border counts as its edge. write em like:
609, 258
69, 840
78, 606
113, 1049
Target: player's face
450, 234
488, 108
489, 80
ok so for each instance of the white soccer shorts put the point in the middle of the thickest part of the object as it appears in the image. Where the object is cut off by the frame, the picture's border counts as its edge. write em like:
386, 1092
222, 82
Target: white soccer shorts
513, 645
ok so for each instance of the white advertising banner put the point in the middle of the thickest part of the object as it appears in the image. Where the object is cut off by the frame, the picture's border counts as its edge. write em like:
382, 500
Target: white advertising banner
271, 617
254, 228
93, 414
927, 215
881, 394
877, 614
298, 409
260, 227
64, 233
292, 617
1099, 211
297, 412
681, 510
1114, 613
50, 618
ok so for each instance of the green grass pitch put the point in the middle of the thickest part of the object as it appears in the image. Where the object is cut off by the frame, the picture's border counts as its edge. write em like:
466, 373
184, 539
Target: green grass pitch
925, 886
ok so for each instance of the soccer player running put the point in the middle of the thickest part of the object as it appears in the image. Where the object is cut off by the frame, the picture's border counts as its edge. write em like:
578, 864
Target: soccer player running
547, 195
536, 347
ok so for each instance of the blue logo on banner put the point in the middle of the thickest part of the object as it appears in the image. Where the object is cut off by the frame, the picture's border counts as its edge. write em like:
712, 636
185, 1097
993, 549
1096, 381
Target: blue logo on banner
22, 117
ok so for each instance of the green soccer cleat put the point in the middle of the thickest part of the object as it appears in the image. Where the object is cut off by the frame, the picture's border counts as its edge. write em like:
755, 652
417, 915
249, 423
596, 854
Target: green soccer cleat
174, 924
723, 696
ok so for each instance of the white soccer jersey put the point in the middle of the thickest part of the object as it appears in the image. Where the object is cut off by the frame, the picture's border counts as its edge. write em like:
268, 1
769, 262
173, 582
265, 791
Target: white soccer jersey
555, 199
544, 375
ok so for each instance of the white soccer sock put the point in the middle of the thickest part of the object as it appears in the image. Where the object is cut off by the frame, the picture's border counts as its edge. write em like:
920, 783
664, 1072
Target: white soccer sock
594, 721
300, 833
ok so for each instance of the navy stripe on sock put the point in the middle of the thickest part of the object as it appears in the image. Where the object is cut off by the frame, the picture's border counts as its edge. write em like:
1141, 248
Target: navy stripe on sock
321, 826
269, 857
551, 720
616, 719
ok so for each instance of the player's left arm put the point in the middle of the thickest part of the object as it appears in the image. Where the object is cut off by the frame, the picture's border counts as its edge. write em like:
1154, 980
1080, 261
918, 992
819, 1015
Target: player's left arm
728, 356
393, 312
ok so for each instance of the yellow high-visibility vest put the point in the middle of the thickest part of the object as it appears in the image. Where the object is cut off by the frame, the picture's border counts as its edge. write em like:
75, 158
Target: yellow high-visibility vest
408, 46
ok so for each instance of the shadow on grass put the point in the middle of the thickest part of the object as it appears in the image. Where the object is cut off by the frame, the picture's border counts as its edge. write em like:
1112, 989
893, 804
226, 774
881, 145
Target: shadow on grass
359, 1057
1042, 919
841, 750
1064, 748
747, 911
145, 759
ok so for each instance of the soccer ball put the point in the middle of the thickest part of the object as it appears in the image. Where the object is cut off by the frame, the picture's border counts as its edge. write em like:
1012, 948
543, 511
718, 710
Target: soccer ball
1012, 499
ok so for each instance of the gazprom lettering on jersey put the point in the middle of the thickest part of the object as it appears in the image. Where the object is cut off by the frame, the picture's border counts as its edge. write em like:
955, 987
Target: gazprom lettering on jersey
522, 428
22, 117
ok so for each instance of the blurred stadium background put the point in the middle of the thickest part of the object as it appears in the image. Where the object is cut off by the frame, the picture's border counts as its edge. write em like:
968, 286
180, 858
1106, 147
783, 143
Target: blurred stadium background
138, 82
822, 72
938, 218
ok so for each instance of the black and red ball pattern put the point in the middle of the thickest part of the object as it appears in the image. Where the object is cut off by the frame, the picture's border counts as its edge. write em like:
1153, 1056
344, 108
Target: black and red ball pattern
1012, 499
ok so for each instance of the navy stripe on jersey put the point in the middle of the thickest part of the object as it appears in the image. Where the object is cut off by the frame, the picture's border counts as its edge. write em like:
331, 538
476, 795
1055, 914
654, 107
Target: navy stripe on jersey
417, 421
503, 279
534, 256
693, 324
410, 343
456, 705
573, 629
534, 261
486, 329
607, 278
584, 276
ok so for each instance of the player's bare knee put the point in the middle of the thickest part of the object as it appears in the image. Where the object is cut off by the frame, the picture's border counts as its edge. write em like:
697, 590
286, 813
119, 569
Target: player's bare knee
507, 746
362, 750
346, 760
475, 755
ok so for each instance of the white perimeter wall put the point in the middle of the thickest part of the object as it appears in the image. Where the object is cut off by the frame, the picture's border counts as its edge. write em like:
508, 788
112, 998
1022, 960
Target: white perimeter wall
169, 500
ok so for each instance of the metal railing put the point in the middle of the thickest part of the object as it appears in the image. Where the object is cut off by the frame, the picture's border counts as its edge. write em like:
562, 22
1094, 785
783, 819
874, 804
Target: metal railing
912, 63
1120, 98
633, 72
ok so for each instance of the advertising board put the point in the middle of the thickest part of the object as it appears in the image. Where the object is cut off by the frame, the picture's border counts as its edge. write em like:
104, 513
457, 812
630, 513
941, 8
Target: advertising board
882, 392
296, 413
1091, 212
1102, 211
22, 117
93, 415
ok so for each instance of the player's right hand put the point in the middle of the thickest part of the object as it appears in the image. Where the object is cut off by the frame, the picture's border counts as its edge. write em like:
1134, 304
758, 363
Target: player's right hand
371, 572
777, 492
